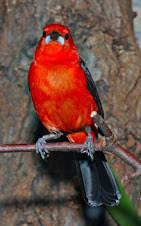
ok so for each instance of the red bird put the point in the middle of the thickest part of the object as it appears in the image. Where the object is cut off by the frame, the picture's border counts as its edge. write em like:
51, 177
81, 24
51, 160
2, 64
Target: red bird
64, 95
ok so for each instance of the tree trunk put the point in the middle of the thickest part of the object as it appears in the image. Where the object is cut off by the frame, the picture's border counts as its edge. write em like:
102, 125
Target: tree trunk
33, 192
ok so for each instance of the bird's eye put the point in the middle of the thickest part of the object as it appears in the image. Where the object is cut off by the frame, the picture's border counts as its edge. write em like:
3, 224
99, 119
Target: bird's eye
44, 34
66, 36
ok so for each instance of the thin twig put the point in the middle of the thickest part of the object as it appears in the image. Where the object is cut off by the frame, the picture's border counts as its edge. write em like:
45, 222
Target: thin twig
51, 147
113, 147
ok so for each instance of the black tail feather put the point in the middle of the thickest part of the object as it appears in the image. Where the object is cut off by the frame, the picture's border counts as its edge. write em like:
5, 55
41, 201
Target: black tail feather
97, 182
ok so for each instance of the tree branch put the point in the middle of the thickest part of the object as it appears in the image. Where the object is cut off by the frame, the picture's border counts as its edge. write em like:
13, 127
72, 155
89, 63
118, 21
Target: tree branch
113, 147
52, 147
109, 145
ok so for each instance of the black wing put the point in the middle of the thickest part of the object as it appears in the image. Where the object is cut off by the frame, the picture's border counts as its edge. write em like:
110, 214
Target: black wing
97, 182
92, 87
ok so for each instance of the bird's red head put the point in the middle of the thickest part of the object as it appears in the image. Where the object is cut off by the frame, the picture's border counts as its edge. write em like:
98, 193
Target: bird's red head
56, 43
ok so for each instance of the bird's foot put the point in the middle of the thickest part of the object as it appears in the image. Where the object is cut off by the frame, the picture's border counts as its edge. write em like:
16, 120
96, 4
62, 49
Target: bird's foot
89, 144
40, 144
41, 148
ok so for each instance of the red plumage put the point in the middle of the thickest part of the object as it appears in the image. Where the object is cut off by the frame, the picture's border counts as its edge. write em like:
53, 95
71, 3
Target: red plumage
58, 87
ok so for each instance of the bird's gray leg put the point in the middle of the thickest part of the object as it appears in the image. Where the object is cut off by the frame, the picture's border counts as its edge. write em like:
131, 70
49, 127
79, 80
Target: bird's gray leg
89, 143
40, 144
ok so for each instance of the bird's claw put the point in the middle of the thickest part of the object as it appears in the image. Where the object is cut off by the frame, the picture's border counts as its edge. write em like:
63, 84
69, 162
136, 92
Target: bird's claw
40, 144
41, 148
90, 150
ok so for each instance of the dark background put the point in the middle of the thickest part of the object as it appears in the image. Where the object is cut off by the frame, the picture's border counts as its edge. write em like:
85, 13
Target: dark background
36, 193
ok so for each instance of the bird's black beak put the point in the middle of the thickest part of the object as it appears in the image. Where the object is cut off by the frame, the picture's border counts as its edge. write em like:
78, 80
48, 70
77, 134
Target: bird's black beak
55, 36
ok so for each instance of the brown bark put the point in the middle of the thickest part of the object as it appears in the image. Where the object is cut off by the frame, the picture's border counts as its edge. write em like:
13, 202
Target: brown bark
32, 192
